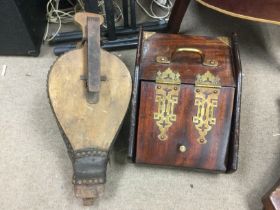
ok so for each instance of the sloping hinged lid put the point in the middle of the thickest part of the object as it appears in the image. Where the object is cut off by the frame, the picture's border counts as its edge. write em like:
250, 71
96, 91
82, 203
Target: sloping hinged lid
186, 55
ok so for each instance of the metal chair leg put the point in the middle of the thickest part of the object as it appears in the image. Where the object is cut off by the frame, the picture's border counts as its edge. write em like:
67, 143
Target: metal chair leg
110, 18
133, 14
91, 6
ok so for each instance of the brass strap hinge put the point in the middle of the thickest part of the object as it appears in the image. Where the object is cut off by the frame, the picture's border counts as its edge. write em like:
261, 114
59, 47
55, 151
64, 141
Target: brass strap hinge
207, 91
167, 92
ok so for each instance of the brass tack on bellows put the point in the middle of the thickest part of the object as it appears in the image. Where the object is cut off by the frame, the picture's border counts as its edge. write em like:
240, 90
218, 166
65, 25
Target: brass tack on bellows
88, 181
90, 153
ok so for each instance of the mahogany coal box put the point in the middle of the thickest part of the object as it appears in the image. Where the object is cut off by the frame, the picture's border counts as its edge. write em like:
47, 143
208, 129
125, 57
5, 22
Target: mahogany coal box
186, 102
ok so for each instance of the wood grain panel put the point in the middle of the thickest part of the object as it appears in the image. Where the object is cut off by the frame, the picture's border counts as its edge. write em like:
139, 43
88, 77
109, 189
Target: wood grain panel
210, 156
255, 10
271, 201
187, 64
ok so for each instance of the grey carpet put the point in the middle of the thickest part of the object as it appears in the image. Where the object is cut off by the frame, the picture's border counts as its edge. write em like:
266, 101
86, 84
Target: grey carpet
35, 171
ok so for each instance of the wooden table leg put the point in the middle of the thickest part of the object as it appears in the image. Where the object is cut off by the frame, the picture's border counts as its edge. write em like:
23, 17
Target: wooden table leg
271, 201
179, 9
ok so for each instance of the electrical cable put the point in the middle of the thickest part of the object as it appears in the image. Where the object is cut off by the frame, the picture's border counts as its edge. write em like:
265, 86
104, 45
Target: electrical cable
55, 15
118, 11
62, 16
168, 6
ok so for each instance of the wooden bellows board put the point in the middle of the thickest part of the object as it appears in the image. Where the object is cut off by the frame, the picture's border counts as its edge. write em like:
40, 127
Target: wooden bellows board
89, 91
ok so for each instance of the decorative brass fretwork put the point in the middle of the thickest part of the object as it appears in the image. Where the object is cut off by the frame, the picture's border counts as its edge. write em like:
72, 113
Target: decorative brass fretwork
167, 91
207, 91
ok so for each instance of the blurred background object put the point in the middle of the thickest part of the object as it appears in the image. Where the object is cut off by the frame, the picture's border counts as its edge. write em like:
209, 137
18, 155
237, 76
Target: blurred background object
22, 26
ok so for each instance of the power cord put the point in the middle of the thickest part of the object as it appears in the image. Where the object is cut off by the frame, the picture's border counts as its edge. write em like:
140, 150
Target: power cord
62, 16
165, 5
117, 11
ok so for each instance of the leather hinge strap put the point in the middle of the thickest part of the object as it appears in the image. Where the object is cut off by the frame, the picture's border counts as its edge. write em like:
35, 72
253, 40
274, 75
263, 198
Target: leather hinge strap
90, 166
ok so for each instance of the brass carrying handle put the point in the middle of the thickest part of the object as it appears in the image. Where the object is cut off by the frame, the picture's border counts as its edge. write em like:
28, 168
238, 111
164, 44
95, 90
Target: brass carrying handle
205, 62
191, 50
